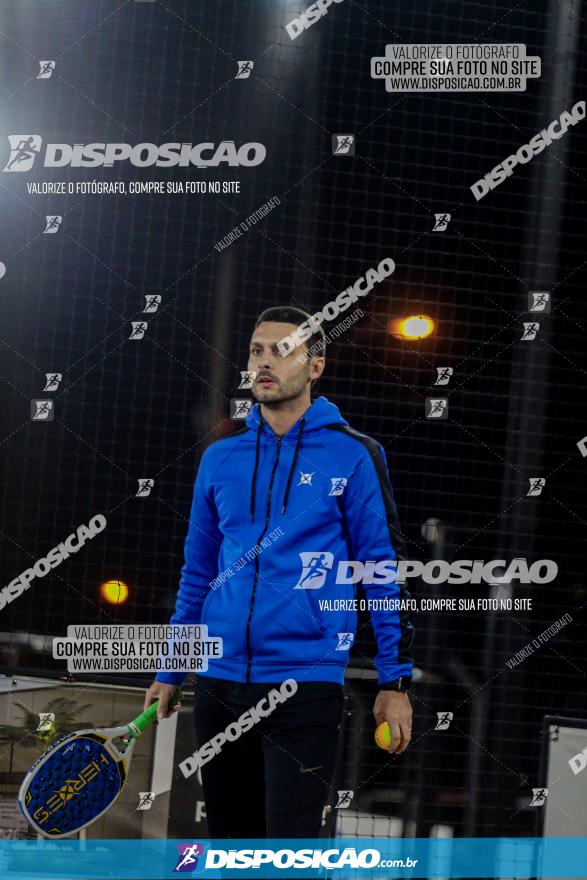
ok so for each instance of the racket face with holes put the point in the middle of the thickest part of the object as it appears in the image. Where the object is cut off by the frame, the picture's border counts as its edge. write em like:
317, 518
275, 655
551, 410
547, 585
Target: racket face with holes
73, 782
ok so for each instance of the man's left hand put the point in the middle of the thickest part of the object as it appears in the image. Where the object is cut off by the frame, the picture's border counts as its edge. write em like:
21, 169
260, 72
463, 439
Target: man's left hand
395, 708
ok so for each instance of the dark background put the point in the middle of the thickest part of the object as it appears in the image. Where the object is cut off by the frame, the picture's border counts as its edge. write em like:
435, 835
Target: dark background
163, 72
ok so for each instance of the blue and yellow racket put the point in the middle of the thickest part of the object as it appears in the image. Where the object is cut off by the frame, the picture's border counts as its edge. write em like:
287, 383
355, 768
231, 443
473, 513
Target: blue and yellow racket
80, 776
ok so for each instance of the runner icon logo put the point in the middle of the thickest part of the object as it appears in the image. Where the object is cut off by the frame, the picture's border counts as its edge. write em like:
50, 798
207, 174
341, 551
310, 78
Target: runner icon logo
314, 569
24, 149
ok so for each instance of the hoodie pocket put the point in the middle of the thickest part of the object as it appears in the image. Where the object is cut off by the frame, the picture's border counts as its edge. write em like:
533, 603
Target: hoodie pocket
225, 612
316, 614
333, 621
206, 605
286, 627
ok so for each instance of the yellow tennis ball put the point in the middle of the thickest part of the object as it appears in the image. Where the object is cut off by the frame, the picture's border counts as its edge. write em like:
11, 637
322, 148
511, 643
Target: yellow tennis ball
383, 736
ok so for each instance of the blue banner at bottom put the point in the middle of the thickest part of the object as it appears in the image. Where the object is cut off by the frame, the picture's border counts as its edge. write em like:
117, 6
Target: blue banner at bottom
345, 857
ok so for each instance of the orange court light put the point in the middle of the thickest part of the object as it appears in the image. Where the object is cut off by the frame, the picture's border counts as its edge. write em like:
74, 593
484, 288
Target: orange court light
114, 592
413, 327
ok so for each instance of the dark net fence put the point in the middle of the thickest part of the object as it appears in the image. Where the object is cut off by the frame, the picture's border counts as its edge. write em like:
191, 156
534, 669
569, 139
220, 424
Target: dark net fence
132, 409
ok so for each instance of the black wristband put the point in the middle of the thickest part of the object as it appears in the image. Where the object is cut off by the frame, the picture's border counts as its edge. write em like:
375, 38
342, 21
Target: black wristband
402, 685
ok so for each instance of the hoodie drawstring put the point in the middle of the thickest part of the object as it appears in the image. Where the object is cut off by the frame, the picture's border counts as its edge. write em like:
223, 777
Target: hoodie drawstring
293, 465
291, 470
254, 482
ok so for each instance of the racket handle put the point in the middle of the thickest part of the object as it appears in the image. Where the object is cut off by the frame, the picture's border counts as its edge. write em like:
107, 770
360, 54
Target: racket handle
142, 721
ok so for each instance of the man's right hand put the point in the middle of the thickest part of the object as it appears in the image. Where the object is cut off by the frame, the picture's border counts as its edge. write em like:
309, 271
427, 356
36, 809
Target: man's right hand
162, 692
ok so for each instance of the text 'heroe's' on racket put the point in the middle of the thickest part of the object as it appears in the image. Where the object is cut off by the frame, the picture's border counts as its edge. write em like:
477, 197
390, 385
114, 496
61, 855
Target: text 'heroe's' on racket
80, 776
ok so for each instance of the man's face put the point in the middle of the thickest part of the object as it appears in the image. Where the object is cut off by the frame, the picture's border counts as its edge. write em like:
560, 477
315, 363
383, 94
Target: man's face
279, 378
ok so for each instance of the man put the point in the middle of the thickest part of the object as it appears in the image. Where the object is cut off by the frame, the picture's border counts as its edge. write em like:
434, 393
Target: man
304, 491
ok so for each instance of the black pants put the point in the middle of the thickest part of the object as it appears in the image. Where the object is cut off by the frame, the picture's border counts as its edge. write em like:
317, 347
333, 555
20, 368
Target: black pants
274, 780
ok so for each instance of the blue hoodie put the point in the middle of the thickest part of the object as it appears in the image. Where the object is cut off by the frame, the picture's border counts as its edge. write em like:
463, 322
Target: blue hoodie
271, 519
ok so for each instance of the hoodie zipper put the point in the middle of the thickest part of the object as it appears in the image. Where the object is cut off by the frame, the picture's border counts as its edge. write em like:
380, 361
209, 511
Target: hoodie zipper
256, 579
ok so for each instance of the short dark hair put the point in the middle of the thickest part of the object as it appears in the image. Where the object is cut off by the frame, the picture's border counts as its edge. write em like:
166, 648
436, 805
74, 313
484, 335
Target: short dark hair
292, 315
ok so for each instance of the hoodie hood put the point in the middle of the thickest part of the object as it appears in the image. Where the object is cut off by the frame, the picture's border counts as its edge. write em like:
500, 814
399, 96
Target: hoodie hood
319, 414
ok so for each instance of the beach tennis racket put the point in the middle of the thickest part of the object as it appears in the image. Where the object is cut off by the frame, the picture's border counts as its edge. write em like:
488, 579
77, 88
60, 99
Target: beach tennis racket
80, 776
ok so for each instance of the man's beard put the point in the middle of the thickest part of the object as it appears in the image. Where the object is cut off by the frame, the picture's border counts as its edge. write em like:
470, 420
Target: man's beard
284, 393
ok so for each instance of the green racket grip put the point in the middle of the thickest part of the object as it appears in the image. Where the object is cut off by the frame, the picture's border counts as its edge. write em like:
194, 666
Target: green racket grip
139, 724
